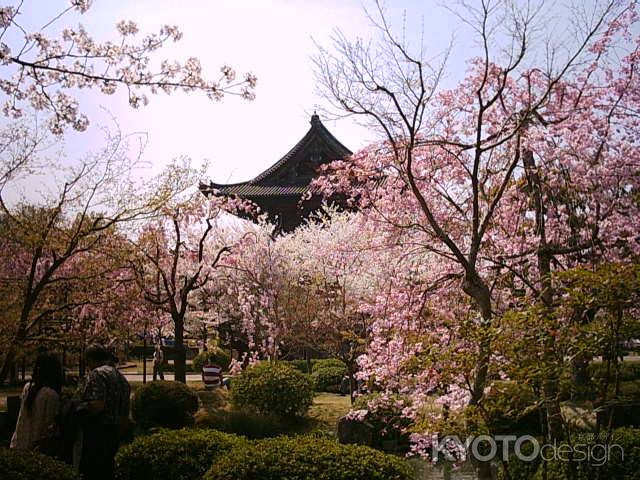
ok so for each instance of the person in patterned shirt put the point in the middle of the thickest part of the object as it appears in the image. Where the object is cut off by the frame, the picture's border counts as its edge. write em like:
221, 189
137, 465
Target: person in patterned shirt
106, 394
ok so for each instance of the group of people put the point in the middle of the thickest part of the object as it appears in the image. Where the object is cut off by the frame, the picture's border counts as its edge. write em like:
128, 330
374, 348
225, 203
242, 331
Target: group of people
83, 431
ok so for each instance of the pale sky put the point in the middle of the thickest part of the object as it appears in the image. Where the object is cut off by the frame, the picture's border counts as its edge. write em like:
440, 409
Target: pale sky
271, 38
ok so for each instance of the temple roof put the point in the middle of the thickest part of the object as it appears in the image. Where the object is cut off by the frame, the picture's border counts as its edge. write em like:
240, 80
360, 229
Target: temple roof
292, 174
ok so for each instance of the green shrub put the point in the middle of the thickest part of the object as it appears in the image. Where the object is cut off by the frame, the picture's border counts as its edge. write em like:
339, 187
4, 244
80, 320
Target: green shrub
304, 458
628, 371
316, 363
273, 388
173, 454
328, 379
321, 364
171, 368
164, 404
28, 465
388, 424
217, 357
511, 408
240, 422
618, 466
300, 365
630, 389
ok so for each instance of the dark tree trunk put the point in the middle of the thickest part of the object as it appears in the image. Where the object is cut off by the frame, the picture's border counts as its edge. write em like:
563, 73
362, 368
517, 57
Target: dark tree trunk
307, 357
144, 356
180, 359
544, 258
580, 381
476, 288
7, 362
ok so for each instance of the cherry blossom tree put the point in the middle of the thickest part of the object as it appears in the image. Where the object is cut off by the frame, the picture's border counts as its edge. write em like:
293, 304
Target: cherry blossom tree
501, 179
42, 71
79, 216
178, 253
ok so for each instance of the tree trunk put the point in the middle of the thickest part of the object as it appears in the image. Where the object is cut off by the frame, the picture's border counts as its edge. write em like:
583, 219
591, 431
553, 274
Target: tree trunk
307, 357
180, 359
9, 359
579, 378
479, 291
7, 362
144, 356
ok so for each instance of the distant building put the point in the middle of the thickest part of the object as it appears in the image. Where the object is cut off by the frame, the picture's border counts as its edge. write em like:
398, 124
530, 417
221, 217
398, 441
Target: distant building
279, 189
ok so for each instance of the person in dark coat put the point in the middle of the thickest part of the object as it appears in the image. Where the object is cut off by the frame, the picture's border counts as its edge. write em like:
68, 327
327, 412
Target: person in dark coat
106, 395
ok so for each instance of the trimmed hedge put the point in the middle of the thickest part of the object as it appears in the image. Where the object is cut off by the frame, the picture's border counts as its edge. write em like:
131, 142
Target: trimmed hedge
248, 424
217, 357
29, 465
323, 363
273, 388
316, 363
164, 404
617, 467
306, 458
328, 379
173, 454
300, 365
629, 371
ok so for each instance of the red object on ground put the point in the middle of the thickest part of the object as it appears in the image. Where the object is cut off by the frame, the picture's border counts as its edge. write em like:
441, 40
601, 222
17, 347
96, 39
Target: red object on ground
211, 375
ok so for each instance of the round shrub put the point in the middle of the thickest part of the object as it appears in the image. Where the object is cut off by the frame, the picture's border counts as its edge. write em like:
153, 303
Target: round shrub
305, 457
248, 424
217, 357
173, 454
273, 388
328, 363
28, 465
328, 379
300, 365
164, 404
385, 418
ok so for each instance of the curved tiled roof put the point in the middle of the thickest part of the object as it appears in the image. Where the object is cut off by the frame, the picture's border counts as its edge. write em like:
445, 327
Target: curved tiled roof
267, 184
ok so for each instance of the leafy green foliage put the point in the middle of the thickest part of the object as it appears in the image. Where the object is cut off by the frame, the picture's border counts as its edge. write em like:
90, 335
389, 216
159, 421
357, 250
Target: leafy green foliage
241, 422
323, 363
617, 466
217, 357
173, 454
300, 365
164, 404
388, 423
327, 379
316, 363
628, 371
273, 388
304, 458
28, 465
511, 408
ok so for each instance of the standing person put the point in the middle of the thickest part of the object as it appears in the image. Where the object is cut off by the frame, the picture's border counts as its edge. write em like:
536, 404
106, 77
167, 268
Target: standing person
40, 403
158, 363
106, 395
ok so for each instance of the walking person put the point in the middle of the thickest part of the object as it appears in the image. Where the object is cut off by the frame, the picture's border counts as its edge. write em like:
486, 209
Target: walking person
39, 404
158, 363
106, 396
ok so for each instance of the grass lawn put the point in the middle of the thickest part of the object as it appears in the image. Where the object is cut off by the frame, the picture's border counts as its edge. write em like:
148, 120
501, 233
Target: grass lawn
328, 408
323, 416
